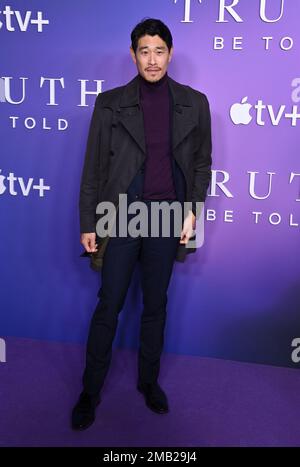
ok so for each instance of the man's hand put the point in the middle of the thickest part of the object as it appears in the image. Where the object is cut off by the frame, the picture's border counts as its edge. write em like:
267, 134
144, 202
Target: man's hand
188, 227
88, 240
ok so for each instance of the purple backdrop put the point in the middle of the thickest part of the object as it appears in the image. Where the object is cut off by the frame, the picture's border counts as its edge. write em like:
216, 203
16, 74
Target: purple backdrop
238, 296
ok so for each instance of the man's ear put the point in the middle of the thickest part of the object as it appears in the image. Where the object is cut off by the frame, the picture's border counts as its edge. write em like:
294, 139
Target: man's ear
171, 53
132, 54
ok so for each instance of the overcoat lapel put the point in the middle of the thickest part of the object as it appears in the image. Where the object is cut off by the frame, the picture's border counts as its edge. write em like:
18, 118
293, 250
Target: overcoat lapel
131, 115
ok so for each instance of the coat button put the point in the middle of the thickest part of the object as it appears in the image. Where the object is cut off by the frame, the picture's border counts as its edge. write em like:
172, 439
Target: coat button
114, 125
111, 152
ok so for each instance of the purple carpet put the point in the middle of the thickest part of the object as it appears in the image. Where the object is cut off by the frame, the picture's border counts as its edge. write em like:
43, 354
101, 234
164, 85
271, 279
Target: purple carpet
212, 402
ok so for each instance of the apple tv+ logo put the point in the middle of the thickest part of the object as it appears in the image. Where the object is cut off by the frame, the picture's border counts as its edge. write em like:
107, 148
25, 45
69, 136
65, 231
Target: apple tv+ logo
18, 185
240, 113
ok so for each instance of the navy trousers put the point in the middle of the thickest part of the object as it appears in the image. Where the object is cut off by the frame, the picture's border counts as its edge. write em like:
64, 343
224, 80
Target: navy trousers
156, 256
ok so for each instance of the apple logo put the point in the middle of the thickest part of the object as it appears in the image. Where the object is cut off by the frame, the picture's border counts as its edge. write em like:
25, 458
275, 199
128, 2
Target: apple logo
2, 186
239, 112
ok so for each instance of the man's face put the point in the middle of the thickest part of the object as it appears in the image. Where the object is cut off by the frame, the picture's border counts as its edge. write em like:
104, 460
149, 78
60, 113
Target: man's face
152, 57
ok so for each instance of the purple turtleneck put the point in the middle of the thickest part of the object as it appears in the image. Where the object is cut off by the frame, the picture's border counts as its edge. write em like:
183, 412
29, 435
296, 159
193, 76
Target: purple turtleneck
155, 102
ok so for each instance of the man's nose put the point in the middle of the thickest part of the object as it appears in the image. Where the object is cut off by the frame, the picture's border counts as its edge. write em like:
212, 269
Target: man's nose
152, 59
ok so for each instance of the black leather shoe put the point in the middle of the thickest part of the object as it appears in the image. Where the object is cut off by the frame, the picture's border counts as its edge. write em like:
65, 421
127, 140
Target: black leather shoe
155, 397
83, 414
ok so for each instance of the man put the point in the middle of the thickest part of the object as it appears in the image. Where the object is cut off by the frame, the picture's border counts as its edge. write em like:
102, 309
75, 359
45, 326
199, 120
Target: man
150, 140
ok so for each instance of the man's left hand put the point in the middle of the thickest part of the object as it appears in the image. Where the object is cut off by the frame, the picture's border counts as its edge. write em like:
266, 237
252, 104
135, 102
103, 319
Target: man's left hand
189, 226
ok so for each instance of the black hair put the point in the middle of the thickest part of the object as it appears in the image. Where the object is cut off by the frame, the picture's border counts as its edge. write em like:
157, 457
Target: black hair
152, 27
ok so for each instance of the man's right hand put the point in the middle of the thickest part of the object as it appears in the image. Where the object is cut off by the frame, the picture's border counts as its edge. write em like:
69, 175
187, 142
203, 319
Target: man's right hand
88, 240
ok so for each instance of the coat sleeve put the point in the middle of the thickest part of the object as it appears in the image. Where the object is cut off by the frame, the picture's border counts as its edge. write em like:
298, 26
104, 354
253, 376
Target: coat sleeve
203, 159
90, 173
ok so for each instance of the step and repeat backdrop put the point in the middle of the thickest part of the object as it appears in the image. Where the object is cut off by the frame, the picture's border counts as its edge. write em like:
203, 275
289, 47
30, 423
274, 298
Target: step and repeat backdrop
238, 296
